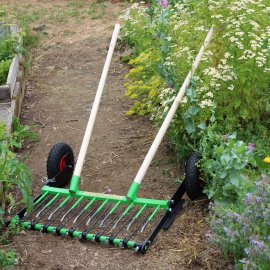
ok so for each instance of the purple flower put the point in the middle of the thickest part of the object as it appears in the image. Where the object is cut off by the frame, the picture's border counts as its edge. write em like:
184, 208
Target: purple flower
258, 199
227, 231
218, 222
249, 197
163, 3
257, 243
247, 250
246, 229
251, 147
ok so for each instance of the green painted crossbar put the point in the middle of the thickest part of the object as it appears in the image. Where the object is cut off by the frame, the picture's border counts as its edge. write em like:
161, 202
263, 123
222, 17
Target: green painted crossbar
102, 197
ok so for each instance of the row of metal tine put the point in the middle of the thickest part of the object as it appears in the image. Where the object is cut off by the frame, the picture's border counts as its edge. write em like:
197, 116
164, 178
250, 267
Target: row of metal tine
70, 204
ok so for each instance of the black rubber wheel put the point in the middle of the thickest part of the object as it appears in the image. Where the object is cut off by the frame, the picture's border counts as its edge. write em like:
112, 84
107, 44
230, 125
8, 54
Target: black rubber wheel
60, 160
193, 184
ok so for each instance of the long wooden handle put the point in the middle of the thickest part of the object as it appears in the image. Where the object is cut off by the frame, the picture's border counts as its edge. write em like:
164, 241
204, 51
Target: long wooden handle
91, 121
153, 149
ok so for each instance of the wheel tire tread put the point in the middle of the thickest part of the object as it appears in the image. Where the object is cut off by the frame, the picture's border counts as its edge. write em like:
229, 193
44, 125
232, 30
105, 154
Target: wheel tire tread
192, 185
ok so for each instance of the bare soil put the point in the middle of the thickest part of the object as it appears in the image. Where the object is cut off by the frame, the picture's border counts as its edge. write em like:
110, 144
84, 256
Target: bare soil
60, 90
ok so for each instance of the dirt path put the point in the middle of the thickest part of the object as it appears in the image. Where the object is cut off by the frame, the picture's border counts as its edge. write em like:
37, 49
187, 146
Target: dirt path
60, 91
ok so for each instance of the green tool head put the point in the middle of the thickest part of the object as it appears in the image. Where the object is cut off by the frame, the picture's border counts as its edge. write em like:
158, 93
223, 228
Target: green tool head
103, 218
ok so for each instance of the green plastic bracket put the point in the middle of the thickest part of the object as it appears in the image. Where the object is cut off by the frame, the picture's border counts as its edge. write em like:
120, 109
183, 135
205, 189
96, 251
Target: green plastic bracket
132, 192
74, 185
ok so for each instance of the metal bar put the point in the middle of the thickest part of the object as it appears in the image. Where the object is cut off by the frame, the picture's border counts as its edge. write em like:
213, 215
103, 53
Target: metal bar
98, 219
106, 228
98, 210
82, 221
126, 211
49, 208
125, 224
42, 197
137, 228
50, 203
150, 218
58, 214
112, 210
61, 205
112, 198
84, 209
35, 209
137, 215
73, 206
72, 216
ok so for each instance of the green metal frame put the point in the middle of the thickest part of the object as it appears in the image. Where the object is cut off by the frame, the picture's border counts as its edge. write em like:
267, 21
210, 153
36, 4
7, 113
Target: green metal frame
93, 197
103, 197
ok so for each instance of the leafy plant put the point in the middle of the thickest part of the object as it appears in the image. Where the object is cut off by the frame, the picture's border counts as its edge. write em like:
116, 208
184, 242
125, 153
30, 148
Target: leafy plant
4, 68
243, 230
7, 258
170, 36
229, 92
8, 47
14, 172
224, 159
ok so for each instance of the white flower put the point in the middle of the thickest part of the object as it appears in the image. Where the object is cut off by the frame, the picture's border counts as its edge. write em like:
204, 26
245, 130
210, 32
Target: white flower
227, 55
184, 100
206, 103
209, 94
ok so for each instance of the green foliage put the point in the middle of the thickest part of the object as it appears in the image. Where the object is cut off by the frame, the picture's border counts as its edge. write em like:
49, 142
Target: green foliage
96, 10
228, 93
20, 133
14, 172
10, 45
233, 76
4, 68
243, 230
224, 162
8, 258
8, 48
142, 87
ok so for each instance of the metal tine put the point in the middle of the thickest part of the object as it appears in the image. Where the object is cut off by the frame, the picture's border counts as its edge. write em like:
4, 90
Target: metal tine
48, 205
86, 217
61, 205
72, 216
98, 210
107, 227
48, 209
65, 206
84, 209
126, 211
137, 228
98, 219
36, 208
137, 215
150, 218
112, 210
73, 206
125, 224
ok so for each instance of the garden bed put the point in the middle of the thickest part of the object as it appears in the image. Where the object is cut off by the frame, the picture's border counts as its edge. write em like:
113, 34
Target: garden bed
12, 92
